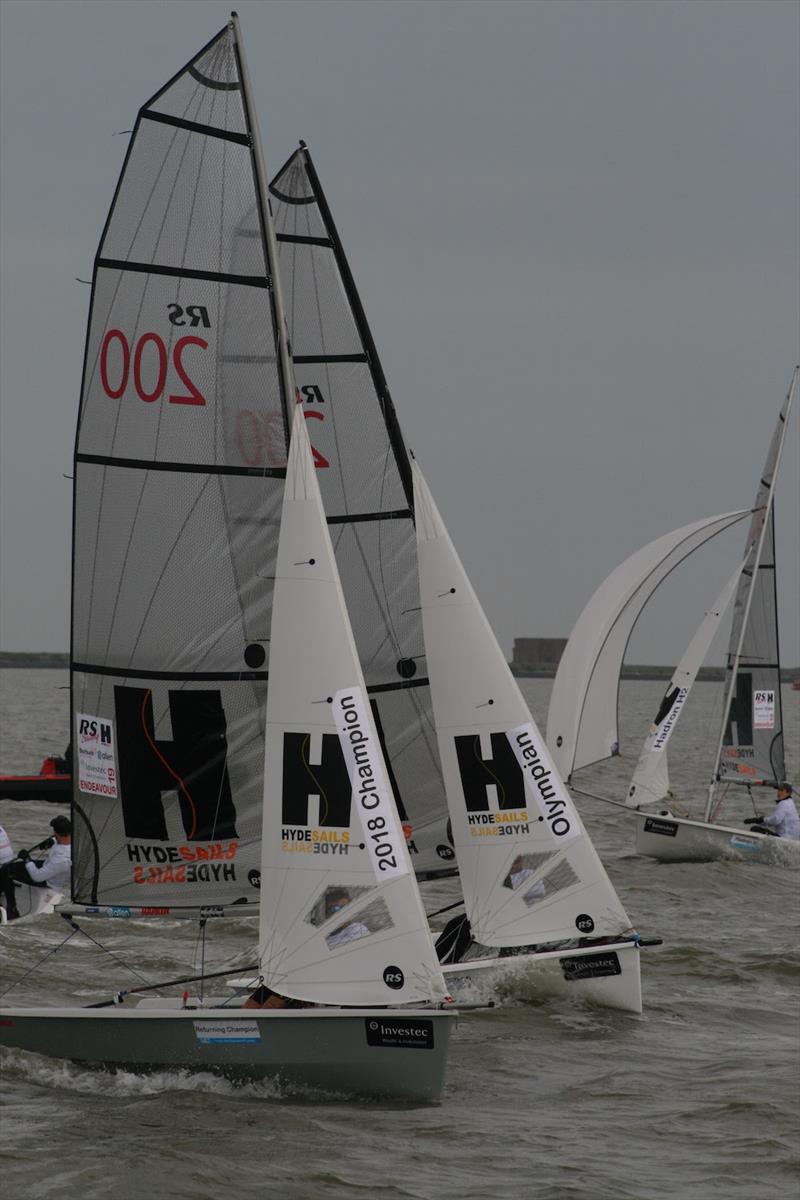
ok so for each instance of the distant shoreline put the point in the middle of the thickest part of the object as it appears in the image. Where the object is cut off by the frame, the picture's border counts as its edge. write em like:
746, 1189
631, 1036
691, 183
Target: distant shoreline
30, 658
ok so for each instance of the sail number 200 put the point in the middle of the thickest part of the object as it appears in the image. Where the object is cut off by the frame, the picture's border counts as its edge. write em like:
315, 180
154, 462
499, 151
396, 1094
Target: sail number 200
152, 345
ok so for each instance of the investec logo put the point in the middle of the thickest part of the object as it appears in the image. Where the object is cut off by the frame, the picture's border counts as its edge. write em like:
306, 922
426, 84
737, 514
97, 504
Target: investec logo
674, 708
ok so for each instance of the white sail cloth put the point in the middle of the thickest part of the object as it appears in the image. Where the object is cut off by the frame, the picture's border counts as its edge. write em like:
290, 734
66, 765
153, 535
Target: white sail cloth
341, 921
650, 781
528, 870
582, 725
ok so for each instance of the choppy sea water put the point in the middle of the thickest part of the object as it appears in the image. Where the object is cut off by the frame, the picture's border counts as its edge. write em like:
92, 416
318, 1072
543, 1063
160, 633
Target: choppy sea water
697, 1099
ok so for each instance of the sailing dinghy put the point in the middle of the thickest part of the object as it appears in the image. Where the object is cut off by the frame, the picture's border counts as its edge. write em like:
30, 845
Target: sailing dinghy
174, 532
750, 755
541, 910
582, 726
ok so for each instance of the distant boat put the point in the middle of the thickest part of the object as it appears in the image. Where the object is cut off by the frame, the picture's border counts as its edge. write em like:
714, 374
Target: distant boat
53, 783
583, 716
750, 749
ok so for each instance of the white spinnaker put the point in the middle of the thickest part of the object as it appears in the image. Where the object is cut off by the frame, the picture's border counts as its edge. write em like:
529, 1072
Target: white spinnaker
320, 853
650, 781
582, 725
528, 870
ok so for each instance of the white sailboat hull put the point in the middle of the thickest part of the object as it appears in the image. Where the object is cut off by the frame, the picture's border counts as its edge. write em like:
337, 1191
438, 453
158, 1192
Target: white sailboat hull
675, 839
605, 975
31, 902
371, 1052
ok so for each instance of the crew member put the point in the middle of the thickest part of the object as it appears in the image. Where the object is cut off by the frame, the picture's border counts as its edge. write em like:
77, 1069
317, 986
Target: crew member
52, 872
784, 819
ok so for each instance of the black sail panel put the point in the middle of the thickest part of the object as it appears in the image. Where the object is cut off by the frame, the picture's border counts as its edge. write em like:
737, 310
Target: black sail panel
175, 517
364, 475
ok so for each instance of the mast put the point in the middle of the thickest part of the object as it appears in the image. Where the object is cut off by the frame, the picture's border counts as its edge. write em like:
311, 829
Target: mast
768, 481
267, 228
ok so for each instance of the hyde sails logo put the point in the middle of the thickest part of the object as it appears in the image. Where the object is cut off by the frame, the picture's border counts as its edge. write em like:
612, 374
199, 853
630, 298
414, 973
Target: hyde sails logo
97, 767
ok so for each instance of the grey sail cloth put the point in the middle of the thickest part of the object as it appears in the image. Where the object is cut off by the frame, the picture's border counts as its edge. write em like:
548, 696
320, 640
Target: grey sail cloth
175, 525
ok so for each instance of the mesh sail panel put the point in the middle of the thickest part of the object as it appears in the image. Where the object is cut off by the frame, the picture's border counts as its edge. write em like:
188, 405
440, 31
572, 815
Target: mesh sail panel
363, 473
752, 746
180, 458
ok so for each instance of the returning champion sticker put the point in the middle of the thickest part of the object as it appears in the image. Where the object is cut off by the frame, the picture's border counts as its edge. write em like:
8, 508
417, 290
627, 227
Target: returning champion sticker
216, 1033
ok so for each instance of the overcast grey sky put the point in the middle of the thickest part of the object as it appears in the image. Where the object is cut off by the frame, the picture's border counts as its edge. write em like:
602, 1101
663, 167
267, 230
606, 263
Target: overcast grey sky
575, 229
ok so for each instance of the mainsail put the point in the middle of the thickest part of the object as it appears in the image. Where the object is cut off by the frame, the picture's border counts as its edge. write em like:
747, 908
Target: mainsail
365, 477
175, 525
528, 870
751, 746
341, 920
582, 720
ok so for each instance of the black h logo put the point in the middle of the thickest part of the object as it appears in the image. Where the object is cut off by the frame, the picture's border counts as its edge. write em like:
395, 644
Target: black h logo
193, 764
501, 770
327, 779
741, 713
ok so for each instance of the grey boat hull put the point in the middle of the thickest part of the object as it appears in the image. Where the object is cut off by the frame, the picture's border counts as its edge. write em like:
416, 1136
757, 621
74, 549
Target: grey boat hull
675, 839
398, 1055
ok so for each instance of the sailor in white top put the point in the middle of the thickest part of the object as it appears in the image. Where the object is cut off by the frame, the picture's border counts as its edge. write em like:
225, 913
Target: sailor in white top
53, 872
784, 819
6, 849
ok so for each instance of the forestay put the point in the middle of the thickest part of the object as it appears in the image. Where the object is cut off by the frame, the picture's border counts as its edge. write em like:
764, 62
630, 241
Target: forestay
751, 747
582, 720
175, 524
364, 475
528, 870
650, 782
341, 920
